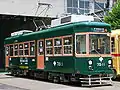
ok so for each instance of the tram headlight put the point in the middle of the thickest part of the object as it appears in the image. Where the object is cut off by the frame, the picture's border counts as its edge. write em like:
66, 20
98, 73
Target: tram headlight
10, 59
90, 62
109, 61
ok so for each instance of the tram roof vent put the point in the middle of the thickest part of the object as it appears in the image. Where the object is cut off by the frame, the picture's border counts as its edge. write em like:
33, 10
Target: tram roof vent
71, 19
20, 32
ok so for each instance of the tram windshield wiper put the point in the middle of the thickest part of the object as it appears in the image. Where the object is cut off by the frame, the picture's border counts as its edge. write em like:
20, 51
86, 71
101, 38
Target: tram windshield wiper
93, 49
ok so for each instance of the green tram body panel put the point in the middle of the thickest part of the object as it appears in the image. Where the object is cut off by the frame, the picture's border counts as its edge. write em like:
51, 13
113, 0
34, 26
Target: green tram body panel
66, 65
23, 62
75, 65
62, 64
98, 67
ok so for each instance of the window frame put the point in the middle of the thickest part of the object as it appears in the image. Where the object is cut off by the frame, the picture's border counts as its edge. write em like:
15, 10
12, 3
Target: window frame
10, 50
85, 8
67, 45
16, 49
48, 47
34, 49
80, 41
61, 37
87, 44
62, 54
21, 49
38, 53
7, 45
27, 48
109, 43
70, 8
113, 45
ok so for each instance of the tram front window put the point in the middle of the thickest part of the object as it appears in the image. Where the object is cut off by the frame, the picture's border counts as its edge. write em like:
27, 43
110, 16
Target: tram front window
99, 44
81, 44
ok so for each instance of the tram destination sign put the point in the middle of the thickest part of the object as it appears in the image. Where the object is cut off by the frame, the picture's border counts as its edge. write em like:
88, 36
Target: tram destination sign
100, 30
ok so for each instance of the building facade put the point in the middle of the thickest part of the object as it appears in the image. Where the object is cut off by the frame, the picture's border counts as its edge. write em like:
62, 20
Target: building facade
53, 8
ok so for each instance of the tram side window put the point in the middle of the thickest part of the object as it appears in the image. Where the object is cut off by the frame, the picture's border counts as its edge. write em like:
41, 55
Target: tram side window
49, 47
81, 44
113, 44
26, 48
16, 49
67, 44
7, 48
20, 49
40, 48
58, 46
11, 50
32, 48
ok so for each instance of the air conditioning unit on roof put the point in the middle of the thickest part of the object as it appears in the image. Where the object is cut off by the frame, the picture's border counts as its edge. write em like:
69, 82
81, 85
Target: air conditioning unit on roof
71, 19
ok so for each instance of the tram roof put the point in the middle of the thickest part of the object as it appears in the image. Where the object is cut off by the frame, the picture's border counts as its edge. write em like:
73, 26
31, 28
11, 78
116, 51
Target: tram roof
63, 29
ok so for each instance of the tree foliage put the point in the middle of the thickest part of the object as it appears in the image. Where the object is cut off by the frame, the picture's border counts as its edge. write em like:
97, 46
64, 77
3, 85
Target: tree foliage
113, 16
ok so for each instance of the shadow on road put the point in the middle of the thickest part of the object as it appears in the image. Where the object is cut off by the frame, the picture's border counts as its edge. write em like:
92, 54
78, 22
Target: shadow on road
6, 77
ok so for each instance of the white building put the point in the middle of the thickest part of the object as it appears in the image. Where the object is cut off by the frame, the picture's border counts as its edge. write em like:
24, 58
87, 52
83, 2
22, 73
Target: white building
30, 7
51, 8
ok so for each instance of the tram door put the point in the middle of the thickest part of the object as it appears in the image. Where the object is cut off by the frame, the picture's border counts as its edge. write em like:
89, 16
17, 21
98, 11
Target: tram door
7, 56
40, 54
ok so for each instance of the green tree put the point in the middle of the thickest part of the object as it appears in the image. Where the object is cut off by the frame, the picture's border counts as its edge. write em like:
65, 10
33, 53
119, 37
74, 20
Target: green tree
113, 16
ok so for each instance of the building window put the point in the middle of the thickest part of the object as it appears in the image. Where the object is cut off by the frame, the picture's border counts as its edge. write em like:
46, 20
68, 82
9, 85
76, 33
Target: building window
58, 46
69, 3
83, 6
77, 6
16, 49
49, 47
32, 48
26, 48
67, 45
99, 6
40, 47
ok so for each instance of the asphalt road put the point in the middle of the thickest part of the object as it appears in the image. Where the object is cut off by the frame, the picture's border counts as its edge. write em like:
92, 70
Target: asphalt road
16, 83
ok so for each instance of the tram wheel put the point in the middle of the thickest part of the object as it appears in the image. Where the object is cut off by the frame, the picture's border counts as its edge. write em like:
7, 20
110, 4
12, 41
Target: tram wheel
56, 79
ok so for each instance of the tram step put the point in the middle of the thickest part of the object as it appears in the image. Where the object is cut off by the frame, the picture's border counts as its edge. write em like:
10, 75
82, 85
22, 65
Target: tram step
97, 78
94, 85
94, 81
